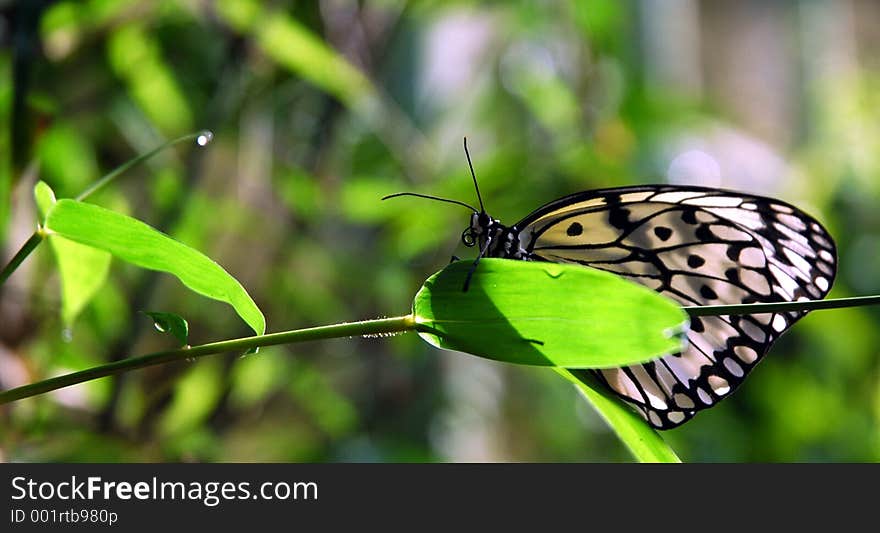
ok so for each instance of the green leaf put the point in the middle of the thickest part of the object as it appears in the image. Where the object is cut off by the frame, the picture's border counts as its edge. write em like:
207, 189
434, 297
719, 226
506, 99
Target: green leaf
294, 46
196, 395
547, 314
135, 242
135, 55
172, 324
44, 197
643, 441
83, 270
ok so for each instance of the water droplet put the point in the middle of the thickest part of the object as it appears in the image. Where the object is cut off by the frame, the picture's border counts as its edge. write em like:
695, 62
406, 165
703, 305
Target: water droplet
190, 359
381, 335
204, 137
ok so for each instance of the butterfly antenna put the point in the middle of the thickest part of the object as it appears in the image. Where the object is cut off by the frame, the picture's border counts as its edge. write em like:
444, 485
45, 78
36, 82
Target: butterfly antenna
477, 187
429, 197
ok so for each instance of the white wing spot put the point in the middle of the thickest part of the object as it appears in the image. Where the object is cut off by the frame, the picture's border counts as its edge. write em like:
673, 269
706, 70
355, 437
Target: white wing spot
635, 196
665, 378
827, 268
786, 283
746, 354
749, 219
822, 283
619, 381
676, 417
729, 233
682, 400
753, 331
685, 367
733, 367
781, 208
823, 242
704, 396
719, 385
793, 222
675, 197
779, 323
791, 234
752, 257
715, 201
801, 264
755, 281
655, 395
701, 343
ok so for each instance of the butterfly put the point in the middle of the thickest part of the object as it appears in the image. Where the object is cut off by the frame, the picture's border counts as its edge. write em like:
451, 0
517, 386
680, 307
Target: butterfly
696, 245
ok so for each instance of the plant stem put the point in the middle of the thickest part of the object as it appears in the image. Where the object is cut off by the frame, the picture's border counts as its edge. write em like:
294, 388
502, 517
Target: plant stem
29, 246
350, 329
204, 137
779, 307
101, 183
366, 327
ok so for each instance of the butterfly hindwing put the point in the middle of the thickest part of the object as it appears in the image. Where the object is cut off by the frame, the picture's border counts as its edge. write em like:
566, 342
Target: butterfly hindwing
698, 246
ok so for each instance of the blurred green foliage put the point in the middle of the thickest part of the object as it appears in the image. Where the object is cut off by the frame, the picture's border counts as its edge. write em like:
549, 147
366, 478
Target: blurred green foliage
319, 109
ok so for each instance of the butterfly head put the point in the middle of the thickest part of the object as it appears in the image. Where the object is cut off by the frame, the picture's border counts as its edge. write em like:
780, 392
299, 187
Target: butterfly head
489, 235
493, 238
480, 228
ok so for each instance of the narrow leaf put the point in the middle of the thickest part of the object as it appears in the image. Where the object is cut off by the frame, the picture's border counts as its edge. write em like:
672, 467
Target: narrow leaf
44, 197
646, 445
294, 46
547, 314
135, 242
83, 270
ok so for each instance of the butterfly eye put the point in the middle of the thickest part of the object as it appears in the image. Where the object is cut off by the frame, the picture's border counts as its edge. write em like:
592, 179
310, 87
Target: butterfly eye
467, 237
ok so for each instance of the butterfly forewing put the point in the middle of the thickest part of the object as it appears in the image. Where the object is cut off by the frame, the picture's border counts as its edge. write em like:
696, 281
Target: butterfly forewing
698, 246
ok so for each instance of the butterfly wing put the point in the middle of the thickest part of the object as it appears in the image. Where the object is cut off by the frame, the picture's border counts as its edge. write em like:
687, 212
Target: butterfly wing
698, 246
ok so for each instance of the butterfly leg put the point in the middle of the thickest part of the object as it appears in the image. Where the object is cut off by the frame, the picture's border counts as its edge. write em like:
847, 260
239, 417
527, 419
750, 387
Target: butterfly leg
467, 280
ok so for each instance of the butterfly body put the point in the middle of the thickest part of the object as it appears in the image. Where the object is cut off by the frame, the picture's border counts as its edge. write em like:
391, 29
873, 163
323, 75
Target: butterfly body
494, 239
697, 245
